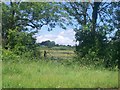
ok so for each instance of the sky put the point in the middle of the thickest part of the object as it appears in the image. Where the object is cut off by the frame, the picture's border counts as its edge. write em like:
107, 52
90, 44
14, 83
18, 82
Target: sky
59, 35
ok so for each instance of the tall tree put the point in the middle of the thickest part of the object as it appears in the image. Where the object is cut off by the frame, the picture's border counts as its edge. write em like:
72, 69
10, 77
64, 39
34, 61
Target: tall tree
94, 26
28, 16
114, 50
86, 31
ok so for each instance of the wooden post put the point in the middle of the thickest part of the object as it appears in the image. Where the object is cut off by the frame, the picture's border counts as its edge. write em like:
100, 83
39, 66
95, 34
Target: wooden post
45, 54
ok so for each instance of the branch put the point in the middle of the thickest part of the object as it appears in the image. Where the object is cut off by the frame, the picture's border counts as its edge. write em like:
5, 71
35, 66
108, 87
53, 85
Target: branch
31, 25
80, 14
75, 9
104, 7
101, 19
89, 17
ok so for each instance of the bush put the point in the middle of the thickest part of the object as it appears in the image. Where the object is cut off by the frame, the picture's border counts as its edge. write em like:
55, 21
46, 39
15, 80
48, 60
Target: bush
9, 55
90, 59
33, 54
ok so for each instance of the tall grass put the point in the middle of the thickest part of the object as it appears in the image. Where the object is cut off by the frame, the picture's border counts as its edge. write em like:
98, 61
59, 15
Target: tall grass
51, 74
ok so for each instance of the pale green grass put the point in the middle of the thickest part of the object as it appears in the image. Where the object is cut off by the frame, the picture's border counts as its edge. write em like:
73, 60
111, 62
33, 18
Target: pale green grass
62, 54
54, 75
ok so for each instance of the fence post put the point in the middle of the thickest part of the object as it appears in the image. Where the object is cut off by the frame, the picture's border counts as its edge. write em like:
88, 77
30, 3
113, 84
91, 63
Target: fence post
45, 54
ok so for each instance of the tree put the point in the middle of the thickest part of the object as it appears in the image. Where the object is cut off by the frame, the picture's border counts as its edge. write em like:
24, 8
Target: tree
114, 49
86, 30
28, 16
94, 24
95, 15
48, 43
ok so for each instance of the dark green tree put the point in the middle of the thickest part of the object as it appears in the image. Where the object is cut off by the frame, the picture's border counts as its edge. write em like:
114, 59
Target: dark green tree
114, 49
94, 24
48, 43
87, 30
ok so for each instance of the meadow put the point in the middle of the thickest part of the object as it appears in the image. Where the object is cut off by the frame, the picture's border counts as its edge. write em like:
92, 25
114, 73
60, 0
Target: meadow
58, 54
49, 74
25, 73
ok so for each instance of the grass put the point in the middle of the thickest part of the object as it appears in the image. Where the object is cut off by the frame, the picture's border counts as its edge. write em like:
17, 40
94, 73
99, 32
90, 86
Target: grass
0, 74
61, 54
0, 66
51, 74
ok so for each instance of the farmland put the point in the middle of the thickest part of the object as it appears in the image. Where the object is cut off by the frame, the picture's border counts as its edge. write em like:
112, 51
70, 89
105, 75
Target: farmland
58, 53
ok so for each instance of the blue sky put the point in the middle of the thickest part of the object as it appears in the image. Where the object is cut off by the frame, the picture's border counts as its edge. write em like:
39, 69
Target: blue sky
59, 35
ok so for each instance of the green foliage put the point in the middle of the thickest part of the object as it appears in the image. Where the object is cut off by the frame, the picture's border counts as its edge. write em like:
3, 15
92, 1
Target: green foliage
21, 20
48, 43
8, 56
20, 42
29, 14
12, 56
90, 59
113, 55
33, 54
90, 42
96, 49
94, 35
32, 14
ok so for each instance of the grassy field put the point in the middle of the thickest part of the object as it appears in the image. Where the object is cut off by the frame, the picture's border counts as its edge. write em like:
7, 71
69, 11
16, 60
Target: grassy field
51, 74
57, 53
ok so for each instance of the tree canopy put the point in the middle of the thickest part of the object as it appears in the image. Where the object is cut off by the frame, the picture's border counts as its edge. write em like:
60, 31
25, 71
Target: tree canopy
48, 43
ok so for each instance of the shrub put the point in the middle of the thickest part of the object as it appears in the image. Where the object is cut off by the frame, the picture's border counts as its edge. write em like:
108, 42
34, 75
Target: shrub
8, 55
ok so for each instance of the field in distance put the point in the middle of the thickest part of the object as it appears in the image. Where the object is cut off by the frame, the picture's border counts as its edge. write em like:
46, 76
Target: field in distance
60, 53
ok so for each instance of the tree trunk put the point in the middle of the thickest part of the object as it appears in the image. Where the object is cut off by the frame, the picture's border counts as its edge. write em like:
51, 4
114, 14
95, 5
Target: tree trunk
94, 15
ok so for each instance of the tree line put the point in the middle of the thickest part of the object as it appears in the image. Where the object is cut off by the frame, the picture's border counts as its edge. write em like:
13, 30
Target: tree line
51, 44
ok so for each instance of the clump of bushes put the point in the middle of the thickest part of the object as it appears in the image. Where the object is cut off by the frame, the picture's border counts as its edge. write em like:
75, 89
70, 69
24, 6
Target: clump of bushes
9, 55
20, 44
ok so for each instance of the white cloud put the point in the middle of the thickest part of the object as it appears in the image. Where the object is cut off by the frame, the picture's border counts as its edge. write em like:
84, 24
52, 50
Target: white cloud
66, 37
